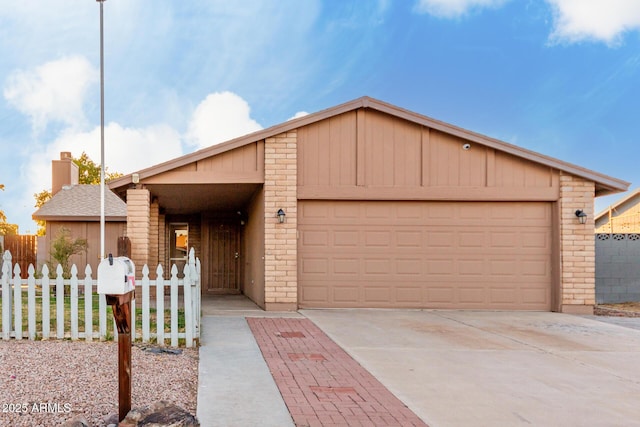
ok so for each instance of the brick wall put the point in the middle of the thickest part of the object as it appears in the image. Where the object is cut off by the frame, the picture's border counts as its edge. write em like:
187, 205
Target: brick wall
280, 178
154, 213
138, 221
577, 245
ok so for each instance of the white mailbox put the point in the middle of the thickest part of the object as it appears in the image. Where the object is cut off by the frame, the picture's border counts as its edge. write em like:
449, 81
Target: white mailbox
116, 276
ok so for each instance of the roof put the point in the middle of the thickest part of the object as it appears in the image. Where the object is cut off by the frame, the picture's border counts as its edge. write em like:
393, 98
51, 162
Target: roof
631, 199
81, 203
604, 184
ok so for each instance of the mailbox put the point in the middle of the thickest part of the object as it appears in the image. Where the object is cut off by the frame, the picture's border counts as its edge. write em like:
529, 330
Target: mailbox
116, 276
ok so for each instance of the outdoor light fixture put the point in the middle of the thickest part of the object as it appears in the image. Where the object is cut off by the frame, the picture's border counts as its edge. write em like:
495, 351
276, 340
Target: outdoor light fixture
582, 216
281, 216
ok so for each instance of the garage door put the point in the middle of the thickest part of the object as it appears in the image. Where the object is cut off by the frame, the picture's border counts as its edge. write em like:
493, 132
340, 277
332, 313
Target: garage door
470, 255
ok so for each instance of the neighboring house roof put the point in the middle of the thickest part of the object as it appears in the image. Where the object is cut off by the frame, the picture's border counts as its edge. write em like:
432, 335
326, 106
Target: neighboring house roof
621, 205
621, 217
81, 203
604, 184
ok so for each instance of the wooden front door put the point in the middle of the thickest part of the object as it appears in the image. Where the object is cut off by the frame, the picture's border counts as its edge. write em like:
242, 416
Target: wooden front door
221, 271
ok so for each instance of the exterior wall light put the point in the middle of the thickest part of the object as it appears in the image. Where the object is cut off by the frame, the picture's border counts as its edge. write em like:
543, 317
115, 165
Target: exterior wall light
582, 216
281, 216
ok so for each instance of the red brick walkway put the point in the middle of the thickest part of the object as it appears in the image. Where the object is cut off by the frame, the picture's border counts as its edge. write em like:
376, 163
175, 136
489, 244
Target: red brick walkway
320, 383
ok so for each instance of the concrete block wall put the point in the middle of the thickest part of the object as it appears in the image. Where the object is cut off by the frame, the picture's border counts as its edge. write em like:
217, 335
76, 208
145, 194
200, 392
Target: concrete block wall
577, 245
154, 214
280, 240
617, 268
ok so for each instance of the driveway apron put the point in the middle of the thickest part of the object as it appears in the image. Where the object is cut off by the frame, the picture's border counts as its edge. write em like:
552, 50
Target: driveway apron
455, 368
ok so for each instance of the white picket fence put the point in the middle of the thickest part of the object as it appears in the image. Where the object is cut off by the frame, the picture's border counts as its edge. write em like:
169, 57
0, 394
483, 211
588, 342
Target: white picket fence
38, 301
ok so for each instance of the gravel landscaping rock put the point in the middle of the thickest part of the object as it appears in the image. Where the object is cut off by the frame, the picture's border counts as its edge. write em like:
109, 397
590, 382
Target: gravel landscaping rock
46, 383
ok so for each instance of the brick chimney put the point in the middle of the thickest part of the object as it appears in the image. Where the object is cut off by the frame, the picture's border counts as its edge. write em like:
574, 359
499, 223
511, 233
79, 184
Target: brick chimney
63, 172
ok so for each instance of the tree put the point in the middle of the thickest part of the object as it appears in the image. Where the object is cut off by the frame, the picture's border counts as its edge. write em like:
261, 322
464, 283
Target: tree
41, 198
6, 229
64, 247
88, 173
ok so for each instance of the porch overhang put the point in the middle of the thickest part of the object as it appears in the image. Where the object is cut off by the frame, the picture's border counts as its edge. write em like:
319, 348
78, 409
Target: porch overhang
184, 199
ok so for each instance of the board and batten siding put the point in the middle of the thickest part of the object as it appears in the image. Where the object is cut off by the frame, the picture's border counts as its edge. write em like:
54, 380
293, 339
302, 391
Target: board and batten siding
369, 155
241, 165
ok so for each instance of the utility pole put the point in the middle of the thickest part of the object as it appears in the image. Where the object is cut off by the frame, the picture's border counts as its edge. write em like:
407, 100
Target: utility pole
102, 190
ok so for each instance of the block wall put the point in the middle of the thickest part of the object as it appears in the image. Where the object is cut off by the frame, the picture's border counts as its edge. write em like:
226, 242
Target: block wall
577, 245
617, 268
280, 181
138, 224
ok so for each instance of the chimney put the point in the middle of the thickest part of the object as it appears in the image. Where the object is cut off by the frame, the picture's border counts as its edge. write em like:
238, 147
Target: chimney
63, 172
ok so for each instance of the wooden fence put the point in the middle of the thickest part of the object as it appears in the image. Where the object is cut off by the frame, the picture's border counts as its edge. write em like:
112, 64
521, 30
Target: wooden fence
23, 249
71, 293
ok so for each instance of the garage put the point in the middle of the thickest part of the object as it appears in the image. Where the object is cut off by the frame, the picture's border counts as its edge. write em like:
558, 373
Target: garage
425, 254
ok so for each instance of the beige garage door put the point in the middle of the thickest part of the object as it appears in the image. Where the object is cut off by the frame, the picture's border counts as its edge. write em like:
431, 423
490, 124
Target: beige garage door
471, 255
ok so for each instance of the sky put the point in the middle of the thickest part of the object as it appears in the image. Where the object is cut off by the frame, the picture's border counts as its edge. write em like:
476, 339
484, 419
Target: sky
559, 77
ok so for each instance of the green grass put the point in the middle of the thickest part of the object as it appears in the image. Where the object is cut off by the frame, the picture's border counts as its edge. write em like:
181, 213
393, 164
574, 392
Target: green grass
153, 316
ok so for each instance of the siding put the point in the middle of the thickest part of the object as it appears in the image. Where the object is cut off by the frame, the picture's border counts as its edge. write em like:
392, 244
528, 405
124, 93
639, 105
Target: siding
367, 155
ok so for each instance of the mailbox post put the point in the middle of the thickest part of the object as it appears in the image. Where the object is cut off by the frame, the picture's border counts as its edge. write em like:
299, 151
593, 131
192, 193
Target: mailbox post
116, 279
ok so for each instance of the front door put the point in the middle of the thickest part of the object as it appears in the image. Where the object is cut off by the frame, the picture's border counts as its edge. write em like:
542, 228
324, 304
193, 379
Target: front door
221, 272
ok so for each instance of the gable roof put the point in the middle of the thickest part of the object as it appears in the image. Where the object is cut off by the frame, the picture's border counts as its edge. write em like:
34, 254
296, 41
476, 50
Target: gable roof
630, 200
604, 184
81, 203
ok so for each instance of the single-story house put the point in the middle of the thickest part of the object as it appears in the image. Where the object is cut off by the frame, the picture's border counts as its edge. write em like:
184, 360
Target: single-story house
76, 207
621, 217
379, 207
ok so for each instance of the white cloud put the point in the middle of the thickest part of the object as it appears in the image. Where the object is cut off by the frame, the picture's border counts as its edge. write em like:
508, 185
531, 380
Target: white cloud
298, 115
454, 8
54, 91
126, 150
220, 117
606, 21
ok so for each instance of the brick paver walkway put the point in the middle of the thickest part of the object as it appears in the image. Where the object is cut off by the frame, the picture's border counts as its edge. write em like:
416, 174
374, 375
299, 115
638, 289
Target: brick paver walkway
320, 383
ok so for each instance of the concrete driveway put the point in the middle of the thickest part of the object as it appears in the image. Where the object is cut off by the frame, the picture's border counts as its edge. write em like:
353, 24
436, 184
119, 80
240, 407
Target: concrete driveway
464, 368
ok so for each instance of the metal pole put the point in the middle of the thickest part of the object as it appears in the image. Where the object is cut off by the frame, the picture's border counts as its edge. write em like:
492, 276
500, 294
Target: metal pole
102, 203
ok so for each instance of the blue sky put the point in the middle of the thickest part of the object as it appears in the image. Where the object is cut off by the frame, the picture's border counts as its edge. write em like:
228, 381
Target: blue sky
560, 77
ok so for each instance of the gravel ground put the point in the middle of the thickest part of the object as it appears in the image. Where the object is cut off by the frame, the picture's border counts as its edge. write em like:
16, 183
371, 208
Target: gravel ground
51, 382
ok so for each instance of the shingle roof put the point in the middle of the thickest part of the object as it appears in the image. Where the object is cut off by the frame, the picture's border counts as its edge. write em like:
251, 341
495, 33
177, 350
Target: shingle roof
82, 203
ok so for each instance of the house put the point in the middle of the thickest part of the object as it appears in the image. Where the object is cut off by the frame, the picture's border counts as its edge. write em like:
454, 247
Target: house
76, 207
621, 217
380, 207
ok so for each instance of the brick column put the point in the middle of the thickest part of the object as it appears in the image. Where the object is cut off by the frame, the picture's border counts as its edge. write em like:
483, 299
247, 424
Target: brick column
577, 246
138, 222
280, 240
154, 213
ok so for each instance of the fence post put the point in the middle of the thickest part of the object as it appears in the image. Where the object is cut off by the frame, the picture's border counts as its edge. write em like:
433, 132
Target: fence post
199, 295
102, 317
17, 302
174, 306
188, 307
46, 304
195, 292
88, 304
31, 305
74, 302
160, 305
59, 303
6, 295
145, 303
